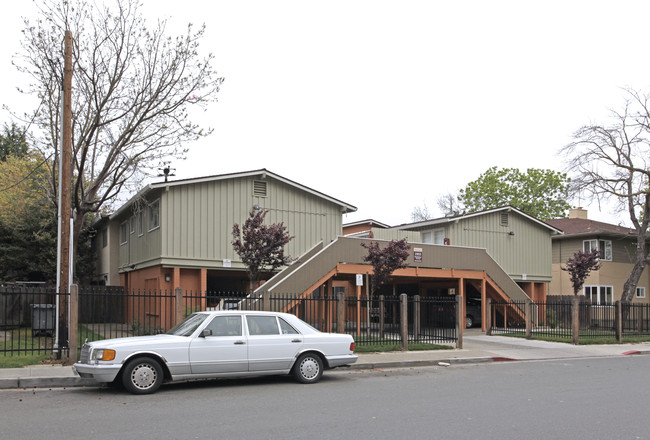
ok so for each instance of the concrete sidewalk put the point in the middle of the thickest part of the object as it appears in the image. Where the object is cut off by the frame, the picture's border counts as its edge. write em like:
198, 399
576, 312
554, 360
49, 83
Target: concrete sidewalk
477, 348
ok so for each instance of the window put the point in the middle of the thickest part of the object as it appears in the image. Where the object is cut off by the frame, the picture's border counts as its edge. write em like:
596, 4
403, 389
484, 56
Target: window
601, 295
640, 292
434, 237
286, 328
262, 325
225, 326
604, 246
154, 215
104, 237
140, 221
132, 225
123, 232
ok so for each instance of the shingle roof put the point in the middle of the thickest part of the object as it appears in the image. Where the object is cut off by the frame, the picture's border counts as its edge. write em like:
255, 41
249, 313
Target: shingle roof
573, 226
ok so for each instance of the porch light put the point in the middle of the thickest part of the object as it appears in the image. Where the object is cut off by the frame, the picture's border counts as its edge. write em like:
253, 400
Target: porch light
168, 278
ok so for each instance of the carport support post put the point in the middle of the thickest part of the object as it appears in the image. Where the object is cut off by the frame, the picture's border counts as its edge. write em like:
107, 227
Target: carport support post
460, 320
340, 312
575, 320
403, 321
529, 320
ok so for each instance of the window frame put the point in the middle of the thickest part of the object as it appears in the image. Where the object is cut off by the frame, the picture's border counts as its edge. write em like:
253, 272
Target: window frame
601, 291
604, 246
124, 232
639, 289
154, 208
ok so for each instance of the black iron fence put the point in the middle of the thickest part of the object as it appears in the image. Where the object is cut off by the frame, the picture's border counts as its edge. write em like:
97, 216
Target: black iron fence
29, 317
571, 319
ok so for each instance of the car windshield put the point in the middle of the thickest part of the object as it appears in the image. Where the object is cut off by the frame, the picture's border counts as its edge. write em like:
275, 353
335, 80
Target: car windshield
189, 325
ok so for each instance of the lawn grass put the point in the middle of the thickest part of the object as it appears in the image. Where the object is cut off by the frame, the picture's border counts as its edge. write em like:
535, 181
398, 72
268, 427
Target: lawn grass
35, 350
583, 339
412, 346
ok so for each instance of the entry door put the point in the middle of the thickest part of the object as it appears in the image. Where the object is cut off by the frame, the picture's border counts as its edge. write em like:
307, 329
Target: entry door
272, 343
224, 351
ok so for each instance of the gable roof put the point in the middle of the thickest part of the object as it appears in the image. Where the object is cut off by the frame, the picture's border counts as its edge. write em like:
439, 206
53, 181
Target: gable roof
262, 173
454, 218
581, 226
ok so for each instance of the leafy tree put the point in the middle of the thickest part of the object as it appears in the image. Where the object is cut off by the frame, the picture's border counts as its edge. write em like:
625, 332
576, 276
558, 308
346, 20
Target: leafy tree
580, 265
385, 261
537, 192
12, 142
28, 228
133, 89
610, 161
260, 246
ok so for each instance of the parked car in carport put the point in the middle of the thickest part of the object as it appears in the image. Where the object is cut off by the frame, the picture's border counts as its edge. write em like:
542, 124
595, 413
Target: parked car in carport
473, 312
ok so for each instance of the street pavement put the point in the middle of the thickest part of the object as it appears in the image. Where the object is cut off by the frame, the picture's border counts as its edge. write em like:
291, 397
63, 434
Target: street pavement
477, 348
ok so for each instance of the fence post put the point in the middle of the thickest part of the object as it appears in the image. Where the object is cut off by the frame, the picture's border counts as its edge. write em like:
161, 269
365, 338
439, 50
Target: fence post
618, 309
575, 320
73, 345
460, 321
488, 317
403, 321
266, 301
382, 310
529, 320
178, 315
416, 318
340, 312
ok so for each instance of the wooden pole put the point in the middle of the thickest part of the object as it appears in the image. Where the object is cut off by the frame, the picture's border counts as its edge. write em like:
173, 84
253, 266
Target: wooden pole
66, 183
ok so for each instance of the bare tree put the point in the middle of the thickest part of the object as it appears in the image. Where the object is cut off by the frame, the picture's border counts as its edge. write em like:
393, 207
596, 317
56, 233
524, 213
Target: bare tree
449, 204
133, 87
613, 161
421, 213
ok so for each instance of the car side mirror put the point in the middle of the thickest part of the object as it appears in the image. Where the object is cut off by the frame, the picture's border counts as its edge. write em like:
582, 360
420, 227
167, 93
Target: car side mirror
205, 332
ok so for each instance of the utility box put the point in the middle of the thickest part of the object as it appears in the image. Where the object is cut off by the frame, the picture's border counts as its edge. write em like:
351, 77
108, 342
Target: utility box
43, 319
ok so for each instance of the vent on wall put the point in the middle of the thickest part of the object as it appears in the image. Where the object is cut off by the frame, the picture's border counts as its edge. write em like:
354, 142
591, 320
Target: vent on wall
504, 219
259, 188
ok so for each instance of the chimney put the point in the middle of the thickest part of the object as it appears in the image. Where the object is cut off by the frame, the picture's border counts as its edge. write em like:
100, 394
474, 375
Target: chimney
578, 213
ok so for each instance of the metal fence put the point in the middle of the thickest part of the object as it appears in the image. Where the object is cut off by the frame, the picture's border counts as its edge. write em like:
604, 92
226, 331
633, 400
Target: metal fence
28, 317
570, 319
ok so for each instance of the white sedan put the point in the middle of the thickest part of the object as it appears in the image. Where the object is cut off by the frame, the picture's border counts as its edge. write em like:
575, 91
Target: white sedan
217, 344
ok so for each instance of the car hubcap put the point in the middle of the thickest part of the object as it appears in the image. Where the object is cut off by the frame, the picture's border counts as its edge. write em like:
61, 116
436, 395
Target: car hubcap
309, 368
143, 376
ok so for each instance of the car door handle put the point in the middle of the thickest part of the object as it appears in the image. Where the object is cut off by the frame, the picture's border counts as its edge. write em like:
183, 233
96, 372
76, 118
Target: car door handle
239, 342
296, 340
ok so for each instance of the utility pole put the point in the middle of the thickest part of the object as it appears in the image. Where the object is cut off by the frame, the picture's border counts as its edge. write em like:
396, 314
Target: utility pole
65, 197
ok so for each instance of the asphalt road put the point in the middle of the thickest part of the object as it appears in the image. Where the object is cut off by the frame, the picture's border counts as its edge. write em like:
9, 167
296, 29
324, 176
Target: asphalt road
605, 398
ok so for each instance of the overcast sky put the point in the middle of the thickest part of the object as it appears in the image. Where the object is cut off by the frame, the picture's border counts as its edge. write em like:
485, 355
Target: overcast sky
386, 105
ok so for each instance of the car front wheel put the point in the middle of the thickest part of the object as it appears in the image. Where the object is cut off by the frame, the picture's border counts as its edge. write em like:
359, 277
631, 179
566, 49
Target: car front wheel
308, 368
142, 376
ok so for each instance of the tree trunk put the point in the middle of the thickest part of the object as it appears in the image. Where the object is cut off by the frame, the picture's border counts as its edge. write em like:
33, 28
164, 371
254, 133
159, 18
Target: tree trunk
629, 288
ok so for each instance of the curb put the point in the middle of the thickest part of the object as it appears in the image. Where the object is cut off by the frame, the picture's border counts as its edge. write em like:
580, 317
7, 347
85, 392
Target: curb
45, 382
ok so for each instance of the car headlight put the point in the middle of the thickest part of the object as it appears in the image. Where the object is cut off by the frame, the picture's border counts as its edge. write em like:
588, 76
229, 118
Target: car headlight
103, 354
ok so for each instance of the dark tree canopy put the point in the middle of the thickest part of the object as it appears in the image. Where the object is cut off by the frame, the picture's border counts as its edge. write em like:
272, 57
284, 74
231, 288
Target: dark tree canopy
12, 142
537, 192
580, 265
260, 246
385, 261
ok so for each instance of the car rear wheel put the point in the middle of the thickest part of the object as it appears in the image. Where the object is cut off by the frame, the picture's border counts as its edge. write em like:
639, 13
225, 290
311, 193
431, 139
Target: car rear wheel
469, 321
142, 376
308, 368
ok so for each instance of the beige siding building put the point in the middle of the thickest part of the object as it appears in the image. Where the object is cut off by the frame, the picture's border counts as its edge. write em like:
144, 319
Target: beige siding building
617, 248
